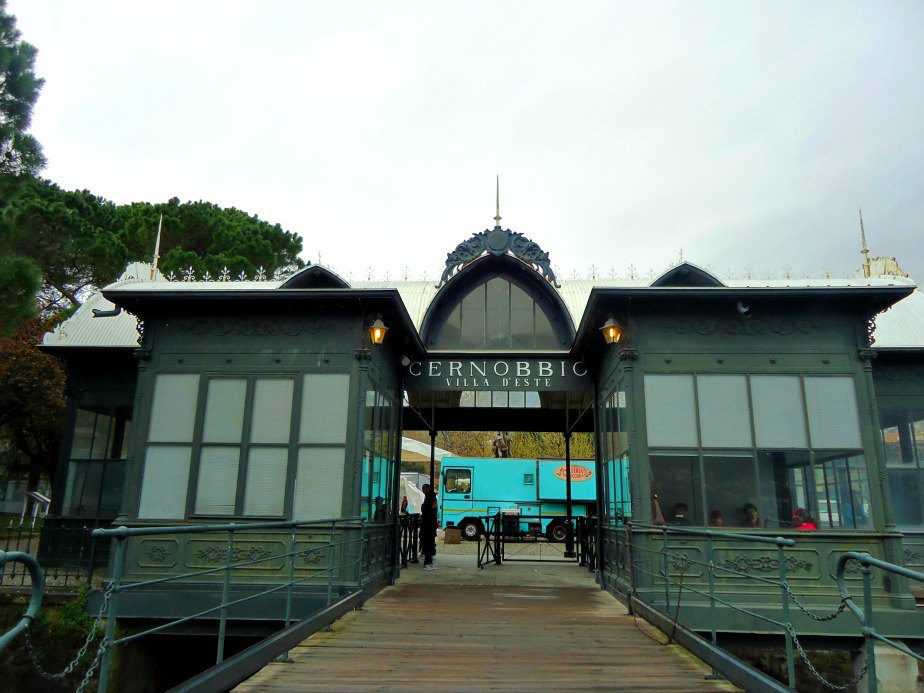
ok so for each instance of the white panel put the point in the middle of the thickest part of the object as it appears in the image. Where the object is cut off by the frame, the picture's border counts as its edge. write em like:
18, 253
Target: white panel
779, 419
724, 418
173, 411
832, 411
166, 478
217, 486
272, 411
669, 410
325, 404
319, 484
224, 411
265, 491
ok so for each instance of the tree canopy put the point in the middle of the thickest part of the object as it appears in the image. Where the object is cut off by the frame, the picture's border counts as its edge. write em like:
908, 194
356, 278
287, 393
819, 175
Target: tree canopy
20, 152
77, 240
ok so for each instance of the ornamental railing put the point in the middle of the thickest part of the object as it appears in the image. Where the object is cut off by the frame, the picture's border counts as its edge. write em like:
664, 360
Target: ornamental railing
667, 569
331, 558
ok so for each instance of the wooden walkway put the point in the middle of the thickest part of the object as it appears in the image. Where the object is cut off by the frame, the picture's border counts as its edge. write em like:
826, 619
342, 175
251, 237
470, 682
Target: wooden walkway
452, 637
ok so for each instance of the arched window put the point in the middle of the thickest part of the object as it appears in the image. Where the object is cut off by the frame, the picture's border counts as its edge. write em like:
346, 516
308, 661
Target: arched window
497, 314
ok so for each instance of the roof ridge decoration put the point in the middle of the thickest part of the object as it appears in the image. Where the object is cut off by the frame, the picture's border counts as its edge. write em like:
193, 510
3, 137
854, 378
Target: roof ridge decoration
499, 242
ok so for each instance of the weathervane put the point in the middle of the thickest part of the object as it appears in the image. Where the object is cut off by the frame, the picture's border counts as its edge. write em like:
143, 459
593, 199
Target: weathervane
497, 216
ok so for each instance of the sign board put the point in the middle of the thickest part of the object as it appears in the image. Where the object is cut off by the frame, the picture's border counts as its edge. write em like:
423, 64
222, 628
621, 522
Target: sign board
534, 375
578, 473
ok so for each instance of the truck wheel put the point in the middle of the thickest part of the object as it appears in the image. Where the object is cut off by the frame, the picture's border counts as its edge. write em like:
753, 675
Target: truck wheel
556, 532
471, 529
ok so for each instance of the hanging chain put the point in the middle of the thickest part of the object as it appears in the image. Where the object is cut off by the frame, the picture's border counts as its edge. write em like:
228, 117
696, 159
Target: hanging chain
850, 684
91, 636
821, 619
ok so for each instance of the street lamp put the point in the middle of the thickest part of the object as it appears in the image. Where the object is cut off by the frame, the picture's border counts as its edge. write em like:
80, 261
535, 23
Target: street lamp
377, 330
611, 330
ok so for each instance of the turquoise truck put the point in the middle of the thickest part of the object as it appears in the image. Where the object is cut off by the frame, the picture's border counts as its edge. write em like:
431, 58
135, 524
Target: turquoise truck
472, 488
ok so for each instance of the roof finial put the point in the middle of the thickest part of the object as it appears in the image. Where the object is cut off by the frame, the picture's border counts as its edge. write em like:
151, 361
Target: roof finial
497, 216
157, 248
864, 251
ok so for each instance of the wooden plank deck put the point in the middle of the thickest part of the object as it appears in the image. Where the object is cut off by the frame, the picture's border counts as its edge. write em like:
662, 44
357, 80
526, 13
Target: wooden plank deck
455, 637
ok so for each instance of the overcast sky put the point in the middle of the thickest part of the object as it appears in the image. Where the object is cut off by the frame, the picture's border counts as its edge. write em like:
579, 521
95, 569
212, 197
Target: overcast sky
747, 134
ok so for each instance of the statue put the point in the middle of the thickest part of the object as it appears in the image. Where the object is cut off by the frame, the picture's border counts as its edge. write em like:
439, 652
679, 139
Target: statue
502, 442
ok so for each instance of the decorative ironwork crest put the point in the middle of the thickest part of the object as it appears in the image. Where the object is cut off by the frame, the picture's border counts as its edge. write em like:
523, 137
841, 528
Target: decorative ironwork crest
498, 241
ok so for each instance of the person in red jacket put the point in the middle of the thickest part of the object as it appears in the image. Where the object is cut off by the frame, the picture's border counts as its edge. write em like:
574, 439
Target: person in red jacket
802, 519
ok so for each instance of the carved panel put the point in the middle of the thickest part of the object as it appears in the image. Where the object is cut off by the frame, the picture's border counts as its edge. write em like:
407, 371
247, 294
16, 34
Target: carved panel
209, 554
742, 327
255, 327
157, 553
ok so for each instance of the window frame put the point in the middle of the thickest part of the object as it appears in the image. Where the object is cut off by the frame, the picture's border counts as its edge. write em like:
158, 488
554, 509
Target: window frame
754, 449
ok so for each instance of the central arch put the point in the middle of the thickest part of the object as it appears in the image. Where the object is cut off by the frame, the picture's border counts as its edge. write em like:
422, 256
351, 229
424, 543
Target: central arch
497, 303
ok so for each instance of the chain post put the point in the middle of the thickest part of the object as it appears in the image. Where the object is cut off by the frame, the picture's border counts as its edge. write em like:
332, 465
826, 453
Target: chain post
498, 528
225, 591
784, 596
362, 550
330, 563
118, 568
667, 588
868, 628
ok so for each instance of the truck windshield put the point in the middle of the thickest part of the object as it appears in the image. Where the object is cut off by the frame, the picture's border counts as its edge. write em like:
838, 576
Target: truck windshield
458, 480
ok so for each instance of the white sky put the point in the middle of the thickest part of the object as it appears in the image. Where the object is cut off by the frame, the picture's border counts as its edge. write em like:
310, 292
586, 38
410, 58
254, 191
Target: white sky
746, 134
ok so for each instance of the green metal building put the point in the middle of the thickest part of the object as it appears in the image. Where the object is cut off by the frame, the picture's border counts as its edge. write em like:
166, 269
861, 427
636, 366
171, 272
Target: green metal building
197, 402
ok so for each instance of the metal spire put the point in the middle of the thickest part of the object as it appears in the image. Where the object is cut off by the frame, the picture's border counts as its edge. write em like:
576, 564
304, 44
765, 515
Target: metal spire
497, 216
157, 248
864, 251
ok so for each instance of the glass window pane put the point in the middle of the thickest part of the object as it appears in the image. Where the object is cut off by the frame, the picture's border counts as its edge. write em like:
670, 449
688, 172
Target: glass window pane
497, 318
325, 405
110, 503
675, 480
467, 399
173, 410
82, 443
522, 326
318, 484
217, 488
533, 401
785, 485
779, 419
272, 411
165, 482
224, 411
473, 309
102, 437
832, 411
518, 399
499, 398
483, 398
907, 499
124, 436
843, 491
669, 410
731, 489
918, 428
723, 411
451, 335
83, 488
545, 333
264, 492
458, 480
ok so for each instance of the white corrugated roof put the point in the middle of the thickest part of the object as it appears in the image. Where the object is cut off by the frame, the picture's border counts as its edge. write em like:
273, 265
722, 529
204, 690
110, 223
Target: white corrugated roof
902, 326
83, 329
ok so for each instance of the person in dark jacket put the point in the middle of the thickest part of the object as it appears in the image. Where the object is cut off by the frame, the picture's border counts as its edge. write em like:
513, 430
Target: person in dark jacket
428, 526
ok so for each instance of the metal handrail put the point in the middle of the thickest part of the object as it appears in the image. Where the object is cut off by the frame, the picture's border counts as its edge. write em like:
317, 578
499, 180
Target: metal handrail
35, 601
710, 535
865, 615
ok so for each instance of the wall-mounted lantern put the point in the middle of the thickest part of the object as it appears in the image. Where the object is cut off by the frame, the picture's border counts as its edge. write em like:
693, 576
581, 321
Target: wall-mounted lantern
377, 330
611, 330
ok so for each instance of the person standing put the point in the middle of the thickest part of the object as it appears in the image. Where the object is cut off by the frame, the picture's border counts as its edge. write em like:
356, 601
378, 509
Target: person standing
428, 525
